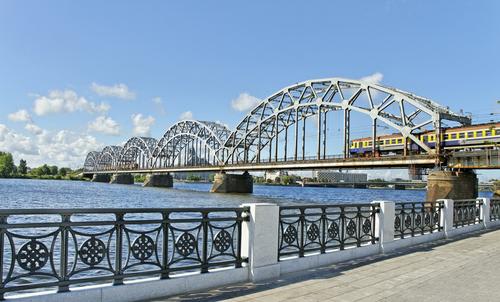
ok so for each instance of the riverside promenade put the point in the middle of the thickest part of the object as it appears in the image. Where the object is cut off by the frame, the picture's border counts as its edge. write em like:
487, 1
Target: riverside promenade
465, 268
398, 251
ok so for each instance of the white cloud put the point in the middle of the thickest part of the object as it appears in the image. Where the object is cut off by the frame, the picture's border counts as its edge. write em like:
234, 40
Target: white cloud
32, 128
120, 91
142, 125
63, 148
66, 101
159, 104
157, 100
104, 124
375, 78
188, 115
20, 116
244, 102
11, 141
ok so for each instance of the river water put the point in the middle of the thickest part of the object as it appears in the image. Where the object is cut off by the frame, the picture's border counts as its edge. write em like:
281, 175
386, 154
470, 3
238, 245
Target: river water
25, 193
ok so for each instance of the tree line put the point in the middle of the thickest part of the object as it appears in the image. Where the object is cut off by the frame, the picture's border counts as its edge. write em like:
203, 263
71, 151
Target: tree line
9, 170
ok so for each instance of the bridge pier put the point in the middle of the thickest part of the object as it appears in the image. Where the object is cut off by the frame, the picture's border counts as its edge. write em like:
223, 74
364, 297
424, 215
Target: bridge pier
232, 183
122, 179
159, 180
101, 178
452, 185
496, 189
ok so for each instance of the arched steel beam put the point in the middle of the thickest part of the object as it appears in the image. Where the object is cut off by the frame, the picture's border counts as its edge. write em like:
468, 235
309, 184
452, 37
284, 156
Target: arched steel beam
108, 159
181, 133
297, 102
91, 161
137, 151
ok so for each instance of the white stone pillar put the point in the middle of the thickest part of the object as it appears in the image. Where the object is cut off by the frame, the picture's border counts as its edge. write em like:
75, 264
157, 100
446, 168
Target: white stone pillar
485, 211
447, 216
259, 241
384, 225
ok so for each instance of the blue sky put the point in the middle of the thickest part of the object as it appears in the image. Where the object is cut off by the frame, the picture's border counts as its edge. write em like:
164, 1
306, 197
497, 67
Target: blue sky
109, 61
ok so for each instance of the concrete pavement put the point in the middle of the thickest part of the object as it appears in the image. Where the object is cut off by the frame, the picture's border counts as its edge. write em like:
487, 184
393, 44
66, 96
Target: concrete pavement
463, 269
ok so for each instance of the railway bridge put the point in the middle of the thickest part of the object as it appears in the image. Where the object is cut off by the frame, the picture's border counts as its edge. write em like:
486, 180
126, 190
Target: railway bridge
275, 135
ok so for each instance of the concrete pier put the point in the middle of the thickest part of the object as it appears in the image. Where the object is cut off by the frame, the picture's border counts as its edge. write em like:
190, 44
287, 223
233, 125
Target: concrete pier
496, 189
451, 185
232, 183
122, 179
159, 180
101, 178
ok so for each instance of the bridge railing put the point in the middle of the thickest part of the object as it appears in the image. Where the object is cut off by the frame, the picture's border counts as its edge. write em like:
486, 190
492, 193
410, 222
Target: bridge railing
313, 228
494, 209
44, 248
417, 218
65, 249
467, 212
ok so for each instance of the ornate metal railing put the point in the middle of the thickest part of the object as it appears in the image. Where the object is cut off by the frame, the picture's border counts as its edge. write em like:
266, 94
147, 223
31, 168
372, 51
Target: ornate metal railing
320, 228
494, 209
417, 218
466, 212
44, 248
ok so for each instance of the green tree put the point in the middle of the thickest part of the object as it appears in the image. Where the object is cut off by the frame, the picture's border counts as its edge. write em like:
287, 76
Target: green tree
7, 166
53, 170
23, 168
41, 171
64, 171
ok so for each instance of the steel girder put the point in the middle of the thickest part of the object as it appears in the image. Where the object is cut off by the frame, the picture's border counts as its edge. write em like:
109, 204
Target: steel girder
137, 151
108, 158
180, 135
406, 113
91, 161
300, 101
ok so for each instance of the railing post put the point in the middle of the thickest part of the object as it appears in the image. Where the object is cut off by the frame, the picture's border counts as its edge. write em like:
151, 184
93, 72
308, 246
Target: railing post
118, 278
447, 216
259, 241
485, 211
63, 265
3, 220
384, 224
164, 253
204, 252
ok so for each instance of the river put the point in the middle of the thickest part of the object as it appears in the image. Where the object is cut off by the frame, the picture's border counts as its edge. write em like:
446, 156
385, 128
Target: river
26, 193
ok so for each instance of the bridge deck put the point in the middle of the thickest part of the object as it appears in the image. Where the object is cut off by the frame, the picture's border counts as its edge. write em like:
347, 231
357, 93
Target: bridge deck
460, 270
307, 164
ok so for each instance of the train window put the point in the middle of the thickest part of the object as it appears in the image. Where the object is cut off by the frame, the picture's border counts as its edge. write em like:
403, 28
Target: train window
400, 140
446, 136
393, 141
431, 138
487, 133
387, 142
461, 135
453, 136
497, 131
381, 143
424, 139
479, 133
369, 143
470, 134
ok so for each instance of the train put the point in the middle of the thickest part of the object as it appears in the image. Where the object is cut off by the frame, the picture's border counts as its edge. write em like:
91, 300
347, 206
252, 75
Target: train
478, 136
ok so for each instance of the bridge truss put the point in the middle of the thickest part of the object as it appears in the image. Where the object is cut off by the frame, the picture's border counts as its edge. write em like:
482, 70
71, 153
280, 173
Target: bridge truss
275, 130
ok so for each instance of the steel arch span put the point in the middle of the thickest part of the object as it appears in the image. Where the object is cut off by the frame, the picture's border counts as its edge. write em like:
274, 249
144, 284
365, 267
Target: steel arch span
274, 133
91, 161
190, 143
136, 153
404, 112
108, 158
